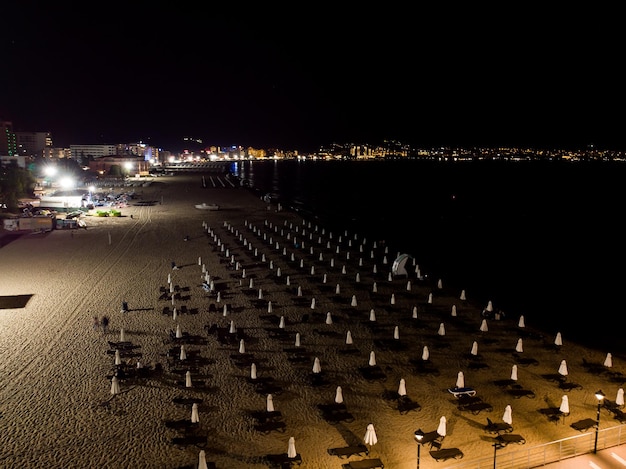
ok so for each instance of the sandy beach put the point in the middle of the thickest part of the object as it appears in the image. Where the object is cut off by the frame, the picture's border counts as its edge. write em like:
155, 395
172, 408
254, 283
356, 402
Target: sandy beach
261, 263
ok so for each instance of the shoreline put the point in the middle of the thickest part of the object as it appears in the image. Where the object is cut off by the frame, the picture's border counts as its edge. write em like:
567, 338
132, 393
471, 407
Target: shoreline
57, 407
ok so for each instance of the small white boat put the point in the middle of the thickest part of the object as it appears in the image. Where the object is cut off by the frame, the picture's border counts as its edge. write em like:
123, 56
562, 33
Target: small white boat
205, 206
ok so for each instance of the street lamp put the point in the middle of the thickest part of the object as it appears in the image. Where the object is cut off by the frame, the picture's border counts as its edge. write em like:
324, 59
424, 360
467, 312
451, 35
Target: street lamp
419, 436
496, 446
600, 396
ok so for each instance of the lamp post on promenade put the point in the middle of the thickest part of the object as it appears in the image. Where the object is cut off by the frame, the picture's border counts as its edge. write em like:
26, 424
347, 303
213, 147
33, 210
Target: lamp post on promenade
600, 396
419, 436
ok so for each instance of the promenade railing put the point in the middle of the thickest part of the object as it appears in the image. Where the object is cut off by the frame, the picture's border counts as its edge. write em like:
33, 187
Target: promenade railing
510, 457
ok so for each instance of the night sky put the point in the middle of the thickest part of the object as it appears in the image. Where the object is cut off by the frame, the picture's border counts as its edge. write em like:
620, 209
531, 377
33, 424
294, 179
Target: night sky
297, 78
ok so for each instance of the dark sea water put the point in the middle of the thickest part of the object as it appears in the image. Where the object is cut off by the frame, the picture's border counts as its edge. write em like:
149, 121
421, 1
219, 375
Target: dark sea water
542, 239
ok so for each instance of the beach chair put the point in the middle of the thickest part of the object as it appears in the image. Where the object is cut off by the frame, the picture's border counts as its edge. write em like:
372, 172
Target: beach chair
347, 451
458, 392
445, 454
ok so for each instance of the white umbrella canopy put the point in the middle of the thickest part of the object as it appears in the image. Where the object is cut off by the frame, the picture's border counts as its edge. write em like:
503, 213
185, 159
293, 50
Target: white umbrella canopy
563, 368
317, 368
453, 313
195, 416
253, 371
483, 326
348, 338
339, 395
297, 343
441, 429
115, 385
179, 333
281, 323
460, 380
353, 302
442, 330
329, 318
183, 353
372, 361
463, 296
372, 315
608, 361
291, 448
242, 346
619, 400
188, 379
396, 333
202, 460
521, 322
232, 329
558, 340
508, 415
122, 335
564, 407
425, 353
270, 403
489, 307
430, 298
370, 437
118, 357
519, 347
474, 350
402, 388
514, 373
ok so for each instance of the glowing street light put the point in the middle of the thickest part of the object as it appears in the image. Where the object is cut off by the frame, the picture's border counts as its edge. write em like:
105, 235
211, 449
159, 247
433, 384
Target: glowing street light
600, 396
419, 436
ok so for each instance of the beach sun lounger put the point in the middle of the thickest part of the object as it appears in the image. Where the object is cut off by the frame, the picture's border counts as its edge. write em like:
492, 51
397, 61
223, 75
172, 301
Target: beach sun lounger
365, 464
347, 451
445, 454
457, 392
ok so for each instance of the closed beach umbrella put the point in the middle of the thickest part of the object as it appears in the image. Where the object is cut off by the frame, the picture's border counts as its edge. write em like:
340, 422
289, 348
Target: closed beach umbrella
339, 395
439, 284
353, 303
564, 408
442, 330
375, 288
402, 388
453, 311
558, 340
563, 368
291, 448
179, 333
425, 353
253, 371
430, 298
242, 346
337, 290
270, 403
474, 350
183, 353
441, 429
489, 307
313, 303
463, 297
608, 361
188, 379
348, 338
174, 314
521, 322
329, 318
520, 346
122, 335
232, 328
508, 415
370, 435
619, 400
115, 385
195, 417
414, 312
393, 299
372, 315
396, 333
118, 358
460, 380
269, 307
297, 343
202, 460
483, 326
225, 310
514, 373
317, 368
372, 361
281, 323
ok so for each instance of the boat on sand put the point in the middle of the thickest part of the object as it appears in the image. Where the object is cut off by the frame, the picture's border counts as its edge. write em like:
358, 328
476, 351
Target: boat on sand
205, 206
